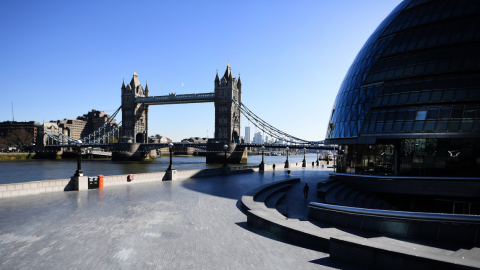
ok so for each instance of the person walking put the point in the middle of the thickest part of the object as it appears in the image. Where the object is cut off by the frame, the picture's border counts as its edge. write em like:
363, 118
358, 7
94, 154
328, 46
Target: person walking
273, 167
306, 188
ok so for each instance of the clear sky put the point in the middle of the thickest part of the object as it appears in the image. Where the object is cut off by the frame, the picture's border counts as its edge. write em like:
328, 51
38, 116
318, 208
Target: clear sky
61, 59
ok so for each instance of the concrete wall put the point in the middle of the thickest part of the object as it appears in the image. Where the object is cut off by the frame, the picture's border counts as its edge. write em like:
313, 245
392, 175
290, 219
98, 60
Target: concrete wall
39, 187
32, 188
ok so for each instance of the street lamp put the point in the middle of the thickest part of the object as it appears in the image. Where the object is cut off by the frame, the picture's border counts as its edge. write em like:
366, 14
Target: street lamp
287, 153
225, 147
170, 146
287, 164
304, 150
263, 151
79, 158
317, 157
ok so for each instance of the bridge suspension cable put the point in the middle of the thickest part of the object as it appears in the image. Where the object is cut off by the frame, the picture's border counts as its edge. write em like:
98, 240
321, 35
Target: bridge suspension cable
269, 129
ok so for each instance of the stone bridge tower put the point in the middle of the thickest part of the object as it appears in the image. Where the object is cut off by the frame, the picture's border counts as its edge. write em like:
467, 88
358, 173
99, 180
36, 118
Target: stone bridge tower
134, 115
227, 115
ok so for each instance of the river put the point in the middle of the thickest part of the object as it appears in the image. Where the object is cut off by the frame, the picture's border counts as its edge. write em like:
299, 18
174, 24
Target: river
42, 169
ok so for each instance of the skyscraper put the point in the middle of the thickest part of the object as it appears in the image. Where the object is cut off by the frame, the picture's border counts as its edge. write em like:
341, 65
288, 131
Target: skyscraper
247, 134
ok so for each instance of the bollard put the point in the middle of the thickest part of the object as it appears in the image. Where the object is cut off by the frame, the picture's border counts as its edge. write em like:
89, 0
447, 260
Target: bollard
100, 181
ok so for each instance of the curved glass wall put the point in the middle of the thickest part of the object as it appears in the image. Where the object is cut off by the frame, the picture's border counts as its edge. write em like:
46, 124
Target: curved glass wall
424, 57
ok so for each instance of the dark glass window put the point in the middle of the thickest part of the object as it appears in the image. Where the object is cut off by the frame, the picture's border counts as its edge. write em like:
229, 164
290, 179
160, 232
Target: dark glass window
379, 127
397, 126
381, 116
454, 125
390, 116
444, 112
457, 112
418, 126
469, 112
407, 126
403, 99
411, 113
442, 125
466, 125
413, 97
432, 113
400, 115
430, 125
436, 96
421, 114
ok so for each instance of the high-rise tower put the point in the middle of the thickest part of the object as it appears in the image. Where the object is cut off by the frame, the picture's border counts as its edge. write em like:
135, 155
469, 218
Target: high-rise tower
227, 115
134, 115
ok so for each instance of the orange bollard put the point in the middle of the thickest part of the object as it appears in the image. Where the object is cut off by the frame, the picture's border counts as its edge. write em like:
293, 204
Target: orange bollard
100, 181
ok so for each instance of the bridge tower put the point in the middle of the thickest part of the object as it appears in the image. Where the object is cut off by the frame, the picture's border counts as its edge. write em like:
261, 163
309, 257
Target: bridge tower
134, 115
227, 115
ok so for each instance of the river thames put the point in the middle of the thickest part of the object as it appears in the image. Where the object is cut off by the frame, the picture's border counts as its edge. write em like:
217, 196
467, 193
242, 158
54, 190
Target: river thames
43, 169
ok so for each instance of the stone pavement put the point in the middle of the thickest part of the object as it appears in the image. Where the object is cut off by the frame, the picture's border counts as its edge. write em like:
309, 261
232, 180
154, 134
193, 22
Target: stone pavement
188, 224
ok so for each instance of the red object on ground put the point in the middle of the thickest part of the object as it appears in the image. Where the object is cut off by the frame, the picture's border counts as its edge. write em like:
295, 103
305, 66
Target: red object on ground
130, 177
100, 181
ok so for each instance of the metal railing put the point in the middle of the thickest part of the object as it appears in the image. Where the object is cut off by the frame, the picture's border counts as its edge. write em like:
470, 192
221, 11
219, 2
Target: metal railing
452, 218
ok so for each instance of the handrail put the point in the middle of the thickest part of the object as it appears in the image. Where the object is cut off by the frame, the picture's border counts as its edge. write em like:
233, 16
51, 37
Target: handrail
404, 177
398, 214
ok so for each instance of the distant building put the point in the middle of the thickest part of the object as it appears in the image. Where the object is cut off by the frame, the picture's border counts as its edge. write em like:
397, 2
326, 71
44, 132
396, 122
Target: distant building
28, 129
86, 124
247, 134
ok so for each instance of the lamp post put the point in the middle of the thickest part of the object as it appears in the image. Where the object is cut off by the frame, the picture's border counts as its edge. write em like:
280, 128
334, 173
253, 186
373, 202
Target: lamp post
79, 158
225, 147
263, 151
304, 163
317, 158
287, 164
170, 146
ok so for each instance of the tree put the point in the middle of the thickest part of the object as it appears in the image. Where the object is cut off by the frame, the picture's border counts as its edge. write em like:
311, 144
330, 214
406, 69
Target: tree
17, 137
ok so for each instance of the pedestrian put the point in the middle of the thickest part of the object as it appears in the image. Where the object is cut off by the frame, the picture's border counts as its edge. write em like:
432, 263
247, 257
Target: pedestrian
306, 188
273, 167
313, 163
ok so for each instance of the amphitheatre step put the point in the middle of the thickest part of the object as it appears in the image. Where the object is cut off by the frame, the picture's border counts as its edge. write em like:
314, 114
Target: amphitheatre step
332, 192
341, 195
273, 200
359, 199
376, 203
321, 192
264, 194
282, 209
367, 202
351, 196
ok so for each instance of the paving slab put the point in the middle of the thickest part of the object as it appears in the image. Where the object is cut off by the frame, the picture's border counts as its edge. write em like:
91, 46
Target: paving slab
187, 224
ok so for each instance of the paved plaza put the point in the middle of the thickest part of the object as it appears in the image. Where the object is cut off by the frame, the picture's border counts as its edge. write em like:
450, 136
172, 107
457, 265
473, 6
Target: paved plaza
187, 224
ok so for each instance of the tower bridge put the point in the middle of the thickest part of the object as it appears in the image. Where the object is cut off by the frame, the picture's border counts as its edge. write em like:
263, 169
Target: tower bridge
227, 99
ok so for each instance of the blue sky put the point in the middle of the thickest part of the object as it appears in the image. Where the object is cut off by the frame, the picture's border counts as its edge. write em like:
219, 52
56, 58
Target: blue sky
61, 59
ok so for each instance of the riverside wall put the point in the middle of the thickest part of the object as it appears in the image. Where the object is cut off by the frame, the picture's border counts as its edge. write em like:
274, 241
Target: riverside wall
48, 186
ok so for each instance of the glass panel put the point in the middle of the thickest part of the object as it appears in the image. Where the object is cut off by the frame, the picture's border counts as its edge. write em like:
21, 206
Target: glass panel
388, 126
421, 114
454, 125
418, 126
432, 113
444, 112
393, 99
411, 113
448, 95
400, 115
390, 116
461, 94
413, 97
407, 126
467, 125
442, 125
436, 95
397, 126
379, 127
430, 125
381, 116
469, 112
424, 96
457, 112
403, 99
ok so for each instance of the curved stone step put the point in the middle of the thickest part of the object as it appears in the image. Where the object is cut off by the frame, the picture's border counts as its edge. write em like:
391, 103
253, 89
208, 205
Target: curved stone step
351, 196
321, 192
376, 203
359, 199
341, 195
332, 192
273, 200
367, 202
265, 194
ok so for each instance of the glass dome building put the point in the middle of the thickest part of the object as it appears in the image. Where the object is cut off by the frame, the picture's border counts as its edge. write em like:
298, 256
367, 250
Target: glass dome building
410, 102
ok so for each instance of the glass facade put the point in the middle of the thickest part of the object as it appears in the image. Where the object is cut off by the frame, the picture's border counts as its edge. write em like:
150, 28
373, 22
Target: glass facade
415, 81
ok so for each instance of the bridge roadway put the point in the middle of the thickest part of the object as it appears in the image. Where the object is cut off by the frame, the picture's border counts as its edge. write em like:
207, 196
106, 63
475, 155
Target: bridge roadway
204, 145
187, 224
176, 99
